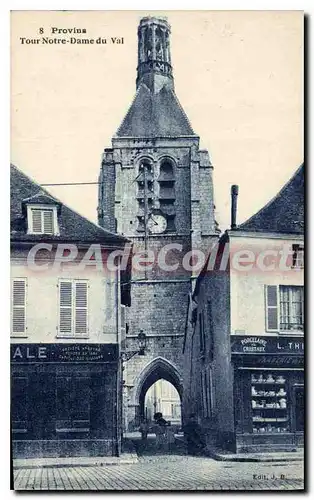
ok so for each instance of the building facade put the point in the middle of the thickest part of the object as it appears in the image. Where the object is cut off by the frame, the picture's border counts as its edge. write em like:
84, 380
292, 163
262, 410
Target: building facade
65, 328
156, 188
244, 344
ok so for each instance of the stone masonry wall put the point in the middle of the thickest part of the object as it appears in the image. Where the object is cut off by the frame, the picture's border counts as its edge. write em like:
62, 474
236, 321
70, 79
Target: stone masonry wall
158, 308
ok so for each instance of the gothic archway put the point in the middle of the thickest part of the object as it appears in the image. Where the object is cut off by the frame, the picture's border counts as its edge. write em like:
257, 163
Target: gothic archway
158, 368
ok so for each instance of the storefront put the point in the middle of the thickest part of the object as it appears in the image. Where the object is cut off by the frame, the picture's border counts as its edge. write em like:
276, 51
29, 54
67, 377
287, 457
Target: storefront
268, 393
64, 400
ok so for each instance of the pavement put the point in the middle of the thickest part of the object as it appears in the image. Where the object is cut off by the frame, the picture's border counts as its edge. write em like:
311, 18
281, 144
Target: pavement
164, 472
143, 468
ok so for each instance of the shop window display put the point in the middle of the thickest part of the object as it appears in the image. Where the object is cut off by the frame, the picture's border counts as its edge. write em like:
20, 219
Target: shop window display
269, 403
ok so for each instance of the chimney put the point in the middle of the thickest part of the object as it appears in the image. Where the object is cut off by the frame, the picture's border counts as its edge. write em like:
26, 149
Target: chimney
234, 202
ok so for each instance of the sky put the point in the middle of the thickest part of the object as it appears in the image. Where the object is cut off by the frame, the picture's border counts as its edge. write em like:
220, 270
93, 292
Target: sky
238, 76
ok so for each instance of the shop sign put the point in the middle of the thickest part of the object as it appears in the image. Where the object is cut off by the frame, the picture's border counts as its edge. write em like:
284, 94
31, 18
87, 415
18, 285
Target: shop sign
63, 353
270, 360
264, 345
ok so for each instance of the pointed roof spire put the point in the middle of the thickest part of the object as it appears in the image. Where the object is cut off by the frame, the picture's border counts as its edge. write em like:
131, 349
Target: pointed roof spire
155, 110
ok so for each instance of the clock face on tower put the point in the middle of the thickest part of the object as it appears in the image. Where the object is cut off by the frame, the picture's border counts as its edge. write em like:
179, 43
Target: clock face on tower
157, 224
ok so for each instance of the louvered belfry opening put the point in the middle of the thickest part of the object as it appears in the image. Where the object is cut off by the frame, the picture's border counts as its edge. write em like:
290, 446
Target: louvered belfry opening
167, 196
160, 193
144, 165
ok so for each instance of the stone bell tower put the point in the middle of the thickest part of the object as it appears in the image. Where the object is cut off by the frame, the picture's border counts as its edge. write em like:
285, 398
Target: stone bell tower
156, 188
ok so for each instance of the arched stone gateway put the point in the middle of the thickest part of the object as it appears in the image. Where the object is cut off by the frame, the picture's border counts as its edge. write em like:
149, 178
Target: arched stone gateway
158, 368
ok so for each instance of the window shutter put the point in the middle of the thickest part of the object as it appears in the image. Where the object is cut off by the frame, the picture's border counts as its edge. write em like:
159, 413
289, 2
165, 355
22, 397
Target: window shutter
42, 221
271, 296
18, 306
36, 221
81, 307
48, 221
65, 307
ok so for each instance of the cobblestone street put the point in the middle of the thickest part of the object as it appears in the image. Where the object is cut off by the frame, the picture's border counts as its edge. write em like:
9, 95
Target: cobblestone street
166, 472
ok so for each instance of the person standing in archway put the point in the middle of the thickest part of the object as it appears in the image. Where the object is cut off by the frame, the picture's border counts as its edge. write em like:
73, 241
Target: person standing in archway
160, 430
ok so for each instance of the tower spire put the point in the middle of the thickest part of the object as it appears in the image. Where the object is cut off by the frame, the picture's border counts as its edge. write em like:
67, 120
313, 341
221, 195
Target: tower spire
154, 59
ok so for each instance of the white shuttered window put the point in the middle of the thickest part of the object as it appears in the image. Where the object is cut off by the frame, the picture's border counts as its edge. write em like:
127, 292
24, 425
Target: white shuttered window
73, 307
42, 221
284, 308
18, 326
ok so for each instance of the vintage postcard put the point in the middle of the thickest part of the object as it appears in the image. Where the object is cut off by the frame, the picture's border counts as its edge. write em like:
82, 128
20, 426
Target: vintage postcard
157, 250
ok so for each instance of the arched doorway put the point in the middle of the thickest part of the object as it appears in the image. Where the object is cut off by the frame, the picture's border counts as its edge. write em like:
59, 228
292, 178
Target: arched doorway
157, 370
164, 398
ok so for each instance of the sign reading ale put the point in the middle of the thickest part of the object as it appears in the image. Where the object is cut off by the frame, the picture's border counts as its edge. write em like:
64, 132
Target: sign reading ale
62, 353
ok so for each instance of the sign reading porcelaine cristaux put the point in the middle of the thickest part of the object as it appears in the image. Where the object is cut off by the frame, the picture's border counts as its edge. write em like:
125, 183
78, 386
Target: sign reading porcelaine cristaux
264, 345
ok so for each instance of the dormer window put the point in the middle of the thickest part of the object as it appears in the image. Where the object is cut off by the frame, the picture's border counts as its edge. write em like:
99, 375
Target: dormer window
42, 220
41, 212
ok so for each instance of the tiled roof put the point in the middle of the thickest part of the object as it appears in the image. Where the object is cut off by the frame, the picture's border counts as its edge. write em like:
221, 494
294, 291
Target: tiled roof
72, 226
155, 115
284, 213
